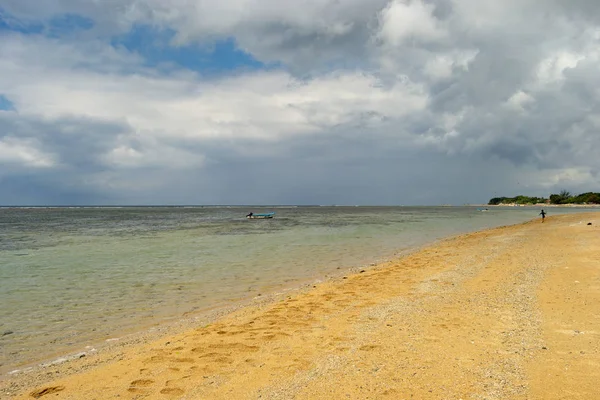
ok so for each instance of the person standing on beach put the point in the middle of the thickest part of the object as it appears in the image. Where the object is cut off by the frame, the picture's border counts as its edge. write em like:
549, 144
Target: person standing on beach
543, 214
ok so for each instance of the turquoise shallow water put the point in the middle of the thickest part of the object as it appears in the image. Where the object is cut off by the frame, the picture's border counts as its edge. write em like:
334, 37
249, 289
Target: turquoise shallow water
74, 276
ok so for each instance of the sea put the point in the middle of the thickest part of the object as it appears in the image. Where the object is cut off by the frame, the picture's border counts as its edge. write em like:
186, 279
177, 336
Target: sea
72, 277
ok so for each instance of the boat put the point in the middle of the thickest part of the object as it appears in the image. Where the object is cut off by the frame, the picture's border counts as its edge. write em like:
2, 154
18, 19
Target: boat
260, 216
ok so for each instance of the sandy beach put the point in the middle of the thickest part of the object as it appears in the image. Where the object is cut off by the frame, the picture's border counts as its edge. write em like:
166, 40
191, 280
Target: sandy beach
507, 313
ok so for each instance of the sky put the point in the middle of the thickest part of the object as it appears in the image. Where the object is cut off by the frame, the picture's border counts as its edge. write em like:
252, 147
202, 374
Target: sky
350, 102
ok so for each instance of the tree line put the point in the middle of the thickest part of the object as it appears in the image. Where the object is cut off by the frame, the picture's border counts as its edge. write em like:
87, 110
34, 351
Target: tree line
564, 197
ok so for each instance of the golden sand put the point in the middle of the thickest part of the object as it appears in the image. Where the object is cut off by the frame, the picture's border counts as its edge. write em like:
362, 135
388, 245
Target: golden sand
509, 313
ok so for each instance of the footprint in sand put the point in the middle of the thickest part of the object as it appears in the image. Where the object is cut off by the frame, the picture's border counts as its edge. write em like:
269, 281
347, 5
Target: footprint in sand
184, 360
341, 303
139, 385
293, 367
155, 359
217, 358
368, 348
172, 391
269, 337
172, 383
251, 362
141, 382
235, 346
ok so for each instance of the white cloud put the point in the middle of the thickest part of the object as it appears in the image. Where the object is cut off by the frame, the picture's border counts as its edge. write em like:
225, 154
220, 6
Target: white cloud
253, 105
24, 153
159, 156
552, 68
519, 101
442, 66
568, 177
409, 21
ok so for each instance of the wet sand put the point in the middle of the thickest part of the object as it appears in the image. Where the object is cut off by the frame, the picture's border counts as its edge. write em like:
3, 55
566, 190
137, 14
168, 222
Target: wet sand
508, 313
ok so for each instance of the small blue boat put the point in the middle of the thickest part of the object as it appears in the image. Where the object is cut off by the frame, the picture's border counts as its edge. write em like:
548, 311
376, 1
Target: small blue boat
260, 216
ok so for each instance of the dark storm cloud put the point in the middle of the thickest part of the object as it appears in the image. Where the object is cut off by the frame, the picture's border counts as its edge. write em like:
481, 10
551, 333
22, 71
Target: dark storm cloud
43, 188
77, 143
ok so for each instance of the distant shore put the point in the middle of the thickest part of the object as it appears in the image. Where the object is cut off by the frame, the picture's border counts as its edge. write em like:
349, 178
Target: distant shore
490, 314
539, 205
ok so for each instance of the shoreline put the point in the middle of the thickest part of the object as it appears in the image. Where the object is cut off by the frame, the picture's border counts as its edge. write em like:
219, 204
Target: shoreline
321, 326
158, 329
106, 348
45, 329
190, 319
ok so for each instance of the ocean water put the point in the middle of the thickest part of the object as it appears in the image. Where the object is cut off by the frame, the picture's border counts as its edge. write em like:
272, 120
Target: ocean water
70, 277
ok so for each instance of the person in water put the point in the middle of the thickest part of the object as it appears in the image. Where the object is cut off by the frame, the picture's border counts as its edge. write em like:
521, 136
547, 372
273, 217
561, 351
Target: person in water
543, 214
250, 215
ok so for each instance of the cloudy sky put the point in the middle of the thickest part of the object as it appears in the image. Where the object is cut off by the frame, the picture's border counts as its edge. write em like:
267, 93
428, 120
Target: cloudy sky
297, 101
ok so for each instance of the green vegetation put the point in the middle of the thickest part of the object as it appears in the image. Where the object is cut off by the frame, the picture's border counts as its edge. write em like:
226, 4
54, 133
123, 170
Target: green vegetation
563, 197
516, 200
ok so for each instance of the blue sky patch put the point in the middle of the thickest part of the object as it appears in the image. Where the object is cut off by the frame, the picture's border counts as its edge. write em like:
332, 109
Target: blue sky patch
13, 24
154, 45
6, 104
68, 23
156, 48
60, 25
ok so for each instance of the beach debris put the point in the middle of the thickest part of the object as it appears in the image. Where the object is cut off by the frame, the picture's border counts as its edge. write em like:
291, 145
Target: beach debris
362, 271
589, 223
7, 333
36, 394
